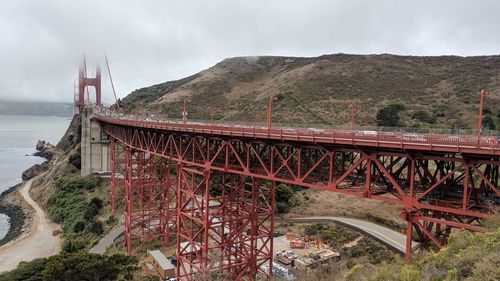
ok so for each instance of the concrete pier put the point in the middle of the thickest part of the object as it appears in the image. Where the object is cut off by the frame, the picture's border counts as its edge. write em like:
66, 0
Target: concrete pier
95, 146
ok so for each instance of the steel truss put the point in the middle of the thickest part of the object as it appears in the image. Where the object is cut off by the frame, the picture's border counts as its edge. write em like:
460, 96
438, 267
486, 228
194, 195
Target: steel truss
118, 169
225, 225
150, 204
437, 191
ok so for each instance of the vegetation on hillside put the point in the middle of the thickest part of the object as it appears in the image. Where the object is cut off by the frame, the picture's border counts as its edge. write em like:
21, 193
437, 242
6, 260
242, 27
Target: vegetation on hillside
435, 91
76, 203
74, 267
468, 256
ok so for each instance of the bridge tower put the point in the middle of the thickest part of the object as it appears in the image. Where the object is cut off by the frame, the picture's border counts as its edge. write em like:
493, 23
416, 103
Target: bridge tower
83, 83
95, 144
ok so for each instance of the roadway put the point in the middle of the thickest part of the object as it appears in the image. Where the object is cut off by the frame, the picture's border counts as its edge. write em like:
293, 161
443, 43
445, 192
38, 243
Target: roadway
108, 240
391, 238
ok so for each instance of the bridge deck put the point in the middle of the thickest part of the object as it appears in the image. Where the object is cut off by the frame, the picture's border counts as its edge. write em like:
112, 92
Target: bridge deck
391, 140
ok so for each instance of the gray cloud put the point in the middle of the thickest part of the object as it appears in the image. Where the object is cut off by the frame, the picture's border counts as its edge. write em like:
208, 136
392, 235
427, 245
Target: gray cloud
150, 42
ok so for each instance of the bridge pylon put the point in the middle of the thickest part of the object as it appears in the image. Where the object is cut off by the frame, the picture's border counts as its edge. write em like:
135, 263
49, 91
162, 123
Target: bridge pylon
84, 82
225, 226
149, 200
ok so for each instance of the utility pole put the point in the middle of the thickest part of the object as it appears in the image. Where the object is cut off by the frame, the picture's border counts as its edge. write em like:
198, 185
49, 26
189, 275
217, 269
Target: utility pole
482, 94
270, 111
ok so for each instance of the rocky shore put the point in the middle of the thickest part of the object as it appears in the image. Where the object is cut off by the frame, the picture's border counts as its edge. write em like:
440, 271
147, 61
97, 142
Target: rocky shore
15, 212
10, 202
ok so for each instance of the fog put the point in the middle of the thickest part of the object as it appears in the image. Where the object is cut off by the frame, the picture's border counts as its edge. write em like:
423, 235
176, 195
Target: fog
148, 42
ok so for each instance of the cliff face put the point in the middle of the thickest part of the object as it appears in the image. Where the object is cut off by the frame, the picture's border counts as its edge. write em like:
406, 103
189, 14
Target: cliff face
319, 90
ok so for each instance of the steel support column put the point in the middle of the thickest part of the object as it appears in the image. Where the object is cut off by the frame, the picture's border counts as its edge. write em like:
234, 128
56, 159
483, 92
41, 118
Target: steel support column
118, 168
149, 200
226, 223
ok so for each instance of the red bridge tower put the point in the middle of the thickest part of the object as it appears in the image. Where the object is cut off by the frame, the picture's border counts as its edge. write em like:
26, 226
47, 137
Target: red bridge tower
83, 82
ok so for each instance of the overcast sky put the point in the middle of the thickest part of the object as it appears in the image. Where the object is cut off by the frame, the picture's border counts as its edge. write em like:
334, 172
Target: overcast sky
148, 42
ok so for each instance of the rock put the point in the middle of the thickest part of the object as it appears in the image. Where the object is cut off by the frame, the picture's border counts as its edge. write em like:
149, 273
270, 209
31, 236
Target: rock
34, 171
40, 145
45, 150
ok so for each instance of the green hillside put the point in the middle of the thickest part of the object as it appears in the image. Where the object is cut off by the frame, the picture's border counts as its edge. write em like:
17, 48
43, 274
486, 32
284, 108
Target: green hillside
435, 91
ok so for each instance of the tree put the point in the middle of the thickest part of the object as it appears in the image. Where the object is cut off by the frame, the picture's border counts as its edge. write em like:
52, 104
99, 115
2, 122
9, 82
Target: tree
285, 198
389, 115
488, 122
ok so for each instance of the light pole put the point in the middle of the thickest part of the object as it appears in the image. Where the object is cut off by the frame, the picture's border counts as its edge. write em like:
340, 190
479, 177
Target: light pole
184, 110
482, 94
270, 111
353, 114
138, 107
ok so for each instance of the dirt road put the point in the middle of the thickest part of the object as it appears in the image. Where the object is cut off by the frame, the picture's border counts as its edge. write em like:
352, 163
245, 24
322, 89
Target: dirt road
38, 242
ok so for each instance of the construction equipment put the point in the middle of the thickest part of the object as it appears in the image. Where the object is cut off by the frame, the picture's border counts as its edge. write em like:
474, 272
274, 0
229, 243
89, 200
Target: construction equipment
297, 244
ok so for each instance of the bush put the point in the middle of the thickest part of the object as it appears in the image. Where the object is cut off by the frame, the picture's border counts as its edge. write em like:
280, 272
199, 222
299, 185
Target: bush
76, 160
489, 122
285, 198
74, 267
424, 117
410, 273
95, 227
313, 229
69, 206
389, 115
470, 256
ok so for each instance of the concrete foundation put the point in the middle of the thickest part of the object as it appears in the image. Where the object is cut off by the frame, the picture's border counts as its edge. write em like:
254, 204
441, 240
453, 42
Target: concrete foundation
95, 146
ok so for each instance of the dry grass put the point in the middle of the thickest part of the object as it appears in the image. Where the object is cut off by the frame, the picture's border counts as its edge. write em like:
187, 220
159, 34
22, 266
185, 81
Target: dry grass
317, 90
327, 203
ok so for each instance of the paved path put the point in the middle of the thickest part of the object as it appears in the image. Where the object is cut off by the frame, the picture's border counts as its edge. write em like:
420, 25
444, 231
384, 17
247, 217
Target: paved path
386, 235
38, 242
107, 240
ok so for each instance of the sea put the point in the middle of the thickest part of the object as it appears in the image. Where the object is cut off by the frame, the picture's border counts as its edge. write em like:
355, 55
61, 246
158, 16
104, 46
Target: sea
18, 137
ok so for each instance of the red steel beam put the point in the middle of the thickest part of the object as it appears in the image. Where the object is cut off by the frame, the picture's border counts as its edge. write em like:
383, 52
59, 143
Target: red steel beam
431, 189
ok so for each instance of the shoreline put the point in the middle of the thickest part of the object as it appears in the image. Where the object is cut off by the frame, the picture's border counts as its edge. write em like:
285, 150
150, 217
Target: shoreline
15, 211
16, 214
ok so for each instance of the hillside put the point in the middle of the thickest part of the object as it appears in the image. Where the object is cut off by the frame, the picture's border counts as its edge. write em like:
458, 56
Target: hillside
318, 90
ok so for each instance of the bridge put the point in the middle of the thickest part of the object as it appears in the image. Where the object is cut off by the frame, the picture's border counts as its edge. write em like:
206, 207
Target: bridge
208, 187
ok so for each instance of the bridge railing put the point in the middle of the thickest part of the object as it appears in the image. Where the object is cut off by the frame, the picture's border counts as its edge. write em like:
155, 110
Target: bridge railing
423, 136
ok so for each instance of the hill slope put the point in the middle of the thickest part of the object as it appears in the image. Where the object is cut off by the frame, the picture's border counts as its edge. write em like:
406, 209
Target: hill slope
318, 90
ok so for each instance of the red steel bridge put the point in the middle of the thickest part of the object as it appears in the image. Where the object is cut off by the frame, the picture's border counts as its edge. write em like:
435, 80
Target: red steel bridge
209, 187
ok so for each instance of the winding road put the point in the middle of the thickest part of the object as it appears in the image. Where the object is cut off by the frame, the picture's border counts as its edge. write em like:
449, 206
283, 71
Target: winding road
38, 242
392, 238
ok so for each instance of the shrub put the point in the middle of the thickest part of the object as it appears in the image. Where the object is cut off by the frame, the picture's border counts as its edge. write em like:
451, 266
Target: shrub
84, 266
69, 206
439, 110
285, 198
410, 273
76, 160
488, 122
389, 115
313, 229
424, 117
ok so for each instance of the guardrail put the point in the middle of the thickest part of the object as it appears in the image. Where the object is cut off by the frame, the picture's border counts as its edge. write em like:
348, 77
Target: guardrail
375, 136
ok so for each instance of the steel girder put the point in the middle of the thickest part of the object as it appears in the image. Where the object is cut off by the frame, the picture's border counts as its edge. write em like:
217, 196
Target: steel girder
150, 205
456, 189
225, 225
118, 169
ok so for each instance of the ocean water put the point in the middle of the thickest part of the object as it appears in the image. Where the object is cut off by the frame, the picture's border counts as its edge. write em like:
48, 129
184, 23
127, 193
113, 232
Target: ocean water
18, 137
